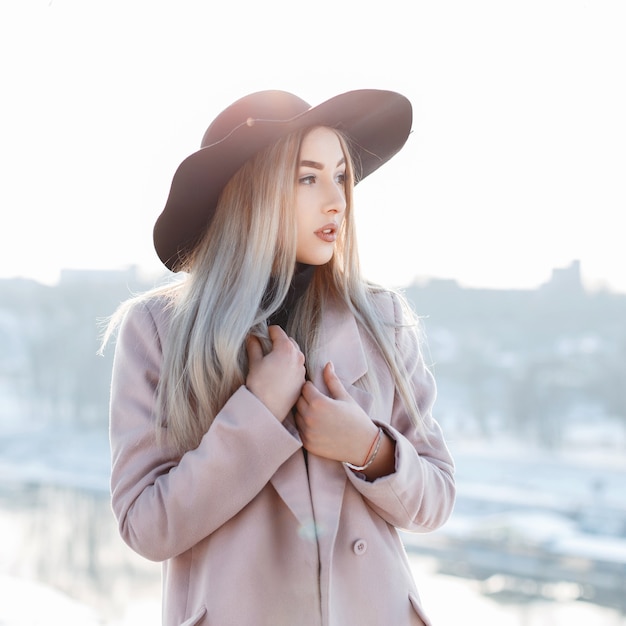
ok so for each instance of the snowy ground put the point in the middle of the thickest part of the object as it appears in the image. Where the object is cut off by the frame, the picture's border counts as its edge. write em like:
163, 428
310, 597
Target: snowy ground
530, 492
448, 601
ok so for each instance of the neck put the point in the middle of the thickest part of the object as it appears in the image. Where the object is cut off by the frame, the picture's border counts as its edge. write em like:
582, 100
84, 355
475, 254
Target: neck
302, 277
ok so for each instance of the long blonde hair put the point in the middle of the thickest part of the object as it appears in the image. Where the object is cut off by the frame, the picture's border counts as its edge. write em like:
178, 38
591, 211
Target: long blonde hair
224, 298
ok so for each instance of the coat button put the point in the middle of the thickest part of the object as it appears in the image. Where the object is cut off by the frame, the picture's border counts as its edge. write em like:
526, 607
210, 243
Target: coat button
359, 547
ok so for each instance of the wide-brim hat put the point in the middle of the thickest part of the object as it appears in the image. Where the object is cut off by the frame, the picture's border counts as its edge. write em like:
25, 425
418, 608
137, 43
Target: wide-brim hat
376, 122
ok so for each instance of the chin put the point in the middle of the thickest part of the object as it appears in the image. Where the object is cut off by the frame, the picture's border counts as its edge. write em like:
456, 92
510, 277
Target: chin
318, 259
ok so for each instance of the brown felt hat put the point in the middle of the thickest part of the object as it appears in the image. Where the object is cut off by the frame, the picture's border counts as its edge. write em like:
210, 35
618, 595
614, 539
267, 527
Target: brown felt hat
376, 122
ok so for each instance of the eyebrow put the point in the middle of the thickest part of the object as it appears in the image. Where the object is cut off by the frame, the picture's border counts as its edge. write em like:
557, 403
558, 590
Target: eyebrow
319, 166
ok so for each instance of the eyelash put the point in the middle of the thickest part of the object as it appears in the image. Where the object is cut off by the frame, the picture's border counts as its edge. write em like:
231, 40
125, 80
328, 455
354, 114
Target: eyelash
309, 179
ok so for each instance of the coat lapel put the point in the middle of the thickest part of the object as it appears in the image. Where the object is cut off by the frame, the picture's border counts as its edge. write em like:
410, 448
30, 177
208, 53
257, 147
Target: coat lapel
291, 483
315, 496
341, 343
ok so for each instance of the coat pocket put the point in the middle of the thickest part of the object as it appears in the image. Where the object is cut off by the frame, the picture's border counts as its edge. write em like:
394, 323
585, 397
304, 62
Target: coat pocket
420, 618
196, 618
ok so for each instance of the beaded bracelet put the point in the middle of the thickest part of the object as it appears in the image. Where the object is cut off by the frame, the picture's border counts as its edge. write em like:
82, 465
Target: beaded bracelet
369, 459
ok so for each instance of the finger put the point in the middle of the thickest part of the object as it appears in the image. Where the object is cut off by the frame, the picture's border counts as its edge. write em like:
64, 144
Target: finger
301, 406
335, 386
254, 349
309, 392
276, 333
301, 433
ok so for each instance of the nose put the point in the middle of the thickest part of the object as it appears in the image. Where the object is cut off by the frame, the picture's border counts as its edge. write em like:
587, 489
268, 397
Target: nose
335, 201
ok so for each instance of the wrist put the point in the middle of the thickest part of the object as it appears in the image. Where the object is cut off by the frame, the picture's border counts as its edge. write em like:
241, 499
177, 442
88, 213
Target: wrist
276, 410
371, 455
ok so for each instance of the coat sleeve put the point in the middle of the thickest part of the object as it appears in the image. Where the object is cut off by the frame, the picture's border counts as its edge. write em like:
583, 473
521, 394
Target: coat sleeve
164, 503
419, 495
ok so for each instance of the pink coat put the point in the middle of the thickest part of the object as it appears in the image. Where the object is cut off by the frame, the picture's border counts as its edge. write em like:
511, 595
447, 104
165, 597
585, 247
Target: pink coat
247, 536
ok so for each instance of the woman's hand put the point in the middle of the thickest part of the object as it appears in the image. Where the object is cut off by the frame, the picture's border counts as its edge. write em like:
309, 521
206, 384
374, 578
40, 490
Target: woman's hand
337, 428
276, 378
334, 427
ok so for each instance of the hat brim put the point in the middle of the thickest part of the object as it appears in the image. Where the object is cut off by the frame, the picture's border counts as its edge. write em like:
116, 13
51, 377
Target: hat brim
377, 123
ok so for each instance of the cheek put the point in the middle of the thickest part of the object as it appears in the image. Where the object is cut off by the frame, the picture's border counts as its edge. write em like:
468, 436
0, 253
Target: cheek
301, 229
303, 217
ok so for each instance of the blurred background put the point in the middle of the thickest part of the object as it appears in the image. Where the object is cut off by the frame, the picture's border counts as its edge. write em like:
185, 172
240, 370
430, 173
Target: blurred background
500, 220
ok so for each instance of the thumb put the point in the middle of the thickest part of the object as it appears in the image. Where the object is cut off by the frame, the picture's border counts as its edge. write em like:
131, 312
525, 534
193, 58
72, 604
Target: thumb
335, 386
275, 333
254, 350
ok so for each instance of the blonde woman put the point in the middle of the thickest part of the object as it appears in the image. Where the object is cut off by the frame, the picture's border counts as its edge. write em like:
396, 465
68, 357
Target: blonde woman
271, 423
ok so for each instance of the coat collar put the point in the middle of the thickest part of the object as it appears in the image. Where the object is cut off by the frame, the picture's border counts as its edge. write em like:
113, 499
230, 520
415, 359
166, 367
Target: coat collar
340, 343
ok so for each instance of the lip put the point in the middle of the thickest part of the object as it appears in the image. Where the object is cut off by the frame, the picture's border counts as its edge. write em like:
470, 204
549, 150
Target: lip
327, 233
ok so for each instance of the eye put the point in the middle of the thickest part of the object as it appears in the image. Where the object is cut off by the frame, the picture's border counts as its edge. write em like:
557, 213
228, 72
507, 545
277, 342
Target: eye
341, 178
308, 179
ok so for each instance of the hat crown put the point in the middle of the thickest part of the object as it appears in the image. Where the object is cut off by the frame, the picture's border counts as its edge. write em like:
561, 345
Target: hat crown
269, 105
376, 122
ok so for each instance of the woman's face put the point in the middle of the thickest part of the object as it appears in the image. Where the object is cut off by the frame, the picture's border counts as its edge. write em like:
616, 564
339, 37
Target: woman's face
320, 196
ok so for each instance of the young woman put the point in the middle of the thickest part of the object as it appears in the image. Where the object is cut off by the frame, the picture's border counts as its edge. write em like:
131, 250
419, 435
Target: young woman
271, 423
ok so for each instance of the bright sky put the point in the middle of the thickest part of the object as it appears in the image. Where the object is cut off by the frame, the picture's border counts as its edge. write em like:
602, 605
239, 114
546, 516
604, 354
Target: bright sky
516, 164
